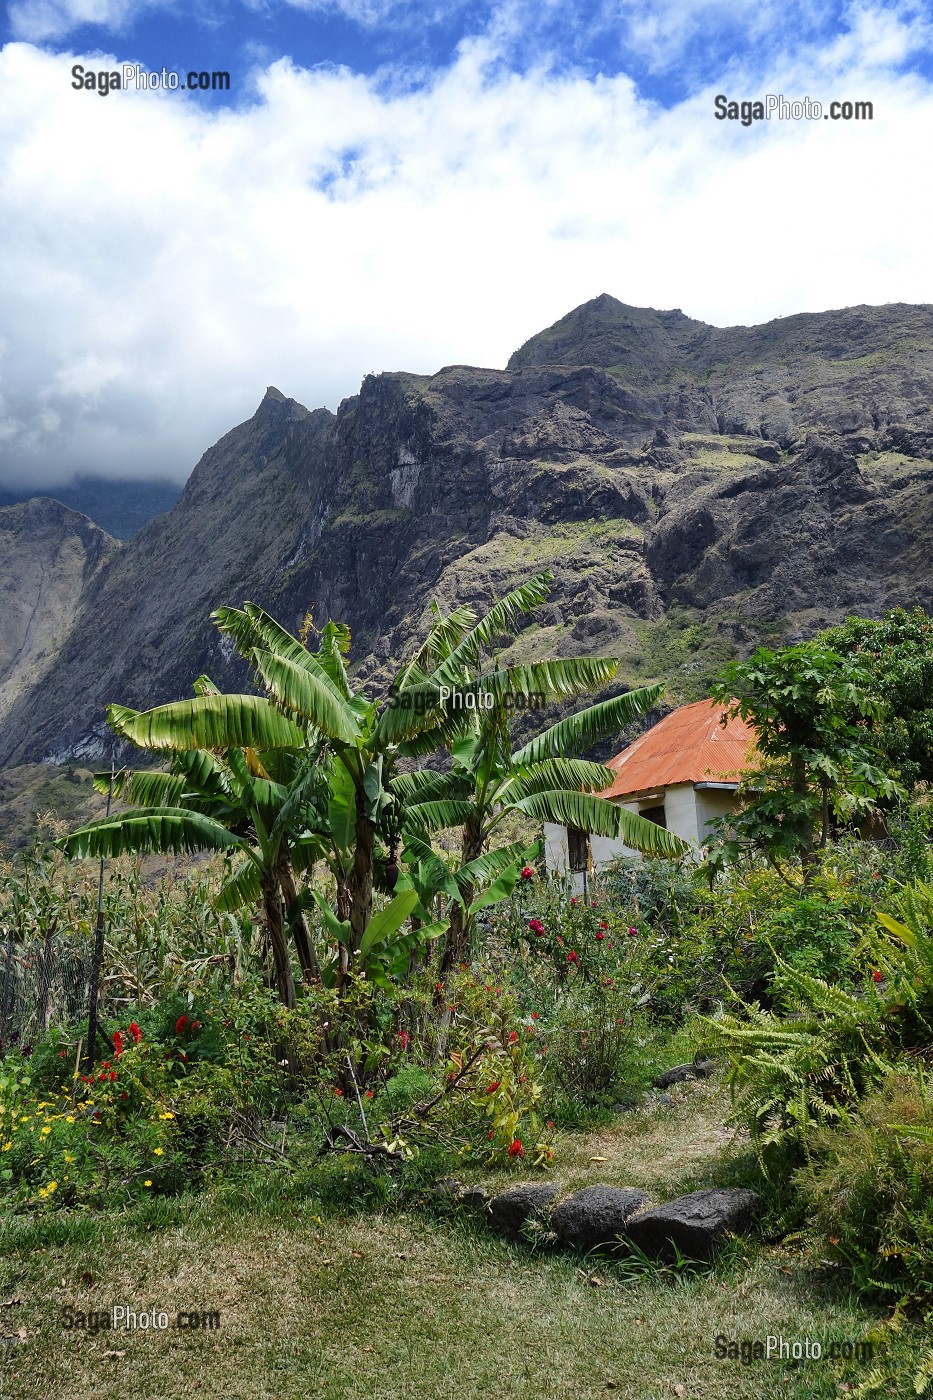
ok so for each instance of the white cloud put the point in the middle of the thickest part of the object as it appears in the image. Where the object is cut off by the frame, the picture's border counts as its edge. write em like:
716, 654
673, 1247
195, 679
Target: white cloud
161, 263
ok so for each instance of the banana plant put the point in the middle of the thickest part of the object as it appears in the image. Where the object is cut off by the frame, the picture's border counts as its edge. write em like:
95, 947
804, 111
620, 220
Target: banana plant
239, 781
488, 779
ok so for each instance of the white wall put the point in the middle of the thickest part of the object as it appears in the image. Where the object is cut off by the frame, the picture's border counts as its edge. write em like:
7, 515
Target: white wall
556, 849
687, 811
712, 803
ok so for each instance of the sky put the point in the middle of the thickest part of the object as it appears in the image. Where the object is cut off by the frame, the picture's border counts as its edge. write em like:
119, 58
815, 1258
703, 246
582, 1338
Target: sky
401, 184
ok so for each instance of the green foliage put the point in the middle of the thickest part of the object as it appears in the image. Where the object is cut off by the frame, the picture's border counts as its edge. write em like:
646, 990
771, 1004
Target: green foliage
897, 654
815, 760
595, 1038
661, 893
788, 1074
869, 1184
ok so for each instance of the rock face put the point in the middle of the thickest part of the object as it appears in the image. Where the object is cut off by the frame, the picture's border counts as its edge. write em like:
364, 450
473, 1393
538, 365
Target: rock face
49, 557
696, 1223
596, 1216
693, 489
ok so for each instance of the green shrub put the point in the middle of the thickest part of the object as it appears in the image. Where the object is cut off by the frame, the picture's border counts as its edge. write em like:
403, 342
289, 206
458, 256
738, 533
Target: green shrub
869, 1183
594, 1040
789, 1074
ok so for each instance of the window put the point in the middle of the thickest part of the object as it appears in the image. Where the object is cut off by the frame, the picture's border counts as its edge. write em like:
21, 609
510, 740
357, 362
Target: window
578, 849
654, 814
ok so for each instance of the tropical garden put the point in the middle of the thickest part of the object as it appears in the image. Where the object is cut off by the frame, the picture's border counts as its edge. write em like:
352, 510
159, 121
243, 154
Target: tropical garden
310, 966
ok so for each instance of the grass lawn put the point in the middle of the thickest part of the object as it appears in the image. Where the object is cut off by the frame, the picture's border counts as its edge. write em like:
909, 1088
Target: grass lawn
322, 1300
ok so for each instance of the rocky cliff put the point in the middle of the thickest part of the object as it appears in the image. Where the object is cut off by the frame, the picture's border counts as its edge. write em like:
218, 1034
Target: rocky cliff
692, 488
50, 557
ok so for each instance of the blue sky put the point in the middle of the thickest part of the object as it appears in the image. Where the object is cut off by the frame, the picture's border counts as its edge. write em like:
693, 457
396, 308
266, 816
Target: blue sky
391, 184
669, 48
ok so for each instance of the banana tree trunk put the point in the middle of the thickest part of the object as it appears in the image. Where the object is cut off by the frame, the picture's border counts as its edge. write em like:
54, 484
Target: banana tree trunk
307, 957
361, 876
275, 928
457, 941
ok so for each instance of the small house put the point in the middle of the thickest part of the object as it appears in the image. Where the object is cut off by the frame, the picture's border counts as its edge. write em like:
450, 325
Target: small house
682, 773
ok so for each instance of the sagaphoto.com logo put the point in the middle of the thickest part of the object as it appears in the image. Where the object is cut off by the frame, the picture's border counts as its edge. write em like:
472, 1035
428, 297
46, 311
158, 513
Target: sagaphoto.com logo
130, 77
775, 106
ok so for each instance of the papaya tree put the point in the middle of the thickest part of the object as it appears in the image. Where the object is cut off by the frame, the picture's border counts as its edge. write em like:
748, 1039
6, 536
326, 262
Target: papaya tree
816, 760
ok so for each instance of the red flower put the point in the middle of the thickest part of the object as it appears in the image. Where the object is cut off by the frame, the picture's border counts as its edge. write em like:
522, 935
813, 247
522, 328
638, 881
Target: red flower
180, 1025
572, 957
516, 1149
603, 924
339, 1092
368, 1094
117, 1043
403, 1038
534, 1015
536, 926
633, 933
573, 900
550, 1123
135, 1032
600, 936
493, 1086
112, 1074
124, 1095
876, 976
195, 1026
527, 872
513, 1036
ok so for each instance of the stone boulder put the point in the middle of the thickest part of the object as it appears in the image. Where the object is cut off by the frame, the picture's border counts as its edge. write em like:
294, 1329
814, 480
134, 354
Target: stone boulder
510, 1209
696, 1223
596, 1216
474, 1198
679, 1074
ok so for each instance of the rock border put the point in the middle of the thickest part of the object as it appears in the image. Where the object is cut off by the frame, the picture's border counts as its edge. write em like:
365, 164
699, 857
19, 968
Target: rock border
600, 1217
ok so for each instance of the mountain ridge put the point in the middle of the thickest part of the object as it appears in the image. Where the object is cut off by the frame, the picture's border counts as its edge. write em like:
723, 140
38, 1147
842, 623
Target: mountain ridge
725, 485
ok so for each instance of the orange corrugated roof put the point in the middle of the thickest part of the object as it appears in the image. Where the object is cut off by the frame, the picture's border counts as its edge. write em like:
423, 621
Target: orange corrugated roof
690, 745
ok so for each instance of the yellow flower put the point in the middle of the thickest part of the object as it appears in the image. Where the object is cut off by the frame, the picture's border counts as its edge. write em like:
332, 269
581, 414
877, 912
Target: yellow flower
45, 1131
53, 1186
163, 1116
68, 1157
69, 1118
147, 1183
6, 1147
158, 1152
